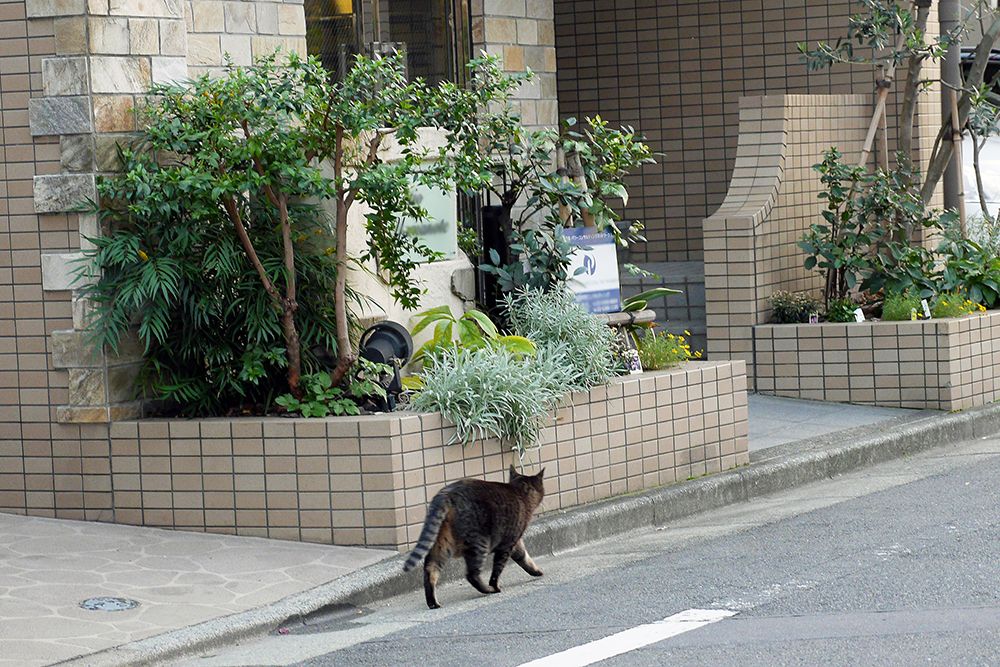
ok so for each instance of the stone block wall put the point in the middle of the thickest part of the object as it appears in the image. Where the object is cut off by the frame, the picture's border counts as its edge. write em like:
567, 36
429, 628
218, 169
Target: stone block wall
243, 29
367, 480
950, 364
42, 461
522, 33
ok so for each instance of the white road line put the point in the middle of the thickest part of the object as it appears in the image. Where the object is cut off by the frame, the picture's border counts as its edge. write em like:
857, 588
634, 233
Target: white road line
629, 640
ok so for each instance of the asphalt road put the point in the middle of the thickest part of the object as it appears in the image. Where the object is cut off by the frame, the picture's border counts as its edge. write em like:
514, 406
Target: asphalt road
895, 565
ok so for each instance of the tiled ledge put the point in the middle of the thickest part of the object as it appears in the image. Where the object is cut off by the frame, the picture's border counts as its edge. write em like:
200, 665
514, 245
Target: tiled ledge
947, 364
367, 480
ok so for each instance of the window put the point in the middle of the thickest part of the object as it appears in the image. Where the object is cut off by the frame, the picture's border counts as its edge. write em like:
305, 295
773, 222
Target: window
434, 33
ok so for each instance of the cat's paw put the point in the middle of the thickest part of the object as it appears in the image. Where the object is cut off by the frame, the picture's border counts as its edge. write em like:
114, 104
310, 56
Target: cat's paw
494, 589
536, 573
434, 606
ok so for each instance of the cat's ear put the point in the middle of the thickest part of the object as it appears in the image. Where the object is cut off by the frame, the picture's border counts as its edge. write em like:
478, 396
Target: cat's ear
541, 473
513, 473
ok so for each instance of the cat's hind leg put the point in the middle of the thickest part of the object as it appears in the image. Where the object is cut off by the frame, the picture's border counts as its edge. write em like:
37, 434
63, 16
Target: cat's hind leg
432, 573
521, 557
475, 558
433, 564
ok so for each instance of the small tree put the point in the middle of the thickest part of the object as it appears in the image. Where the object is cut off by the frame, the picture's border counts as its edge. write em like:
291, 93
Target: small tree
888, 34
250, 146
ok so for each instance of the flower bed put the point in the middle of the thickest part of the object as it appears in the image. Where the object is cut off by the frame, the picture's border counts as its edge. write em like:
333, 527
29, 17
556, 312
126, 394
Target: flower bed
366, 480
946, 364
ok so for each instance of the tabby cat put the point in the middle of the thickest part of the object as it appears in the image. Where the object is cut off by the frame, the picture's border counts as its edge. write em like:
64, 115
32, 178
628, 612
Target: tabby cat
473, 518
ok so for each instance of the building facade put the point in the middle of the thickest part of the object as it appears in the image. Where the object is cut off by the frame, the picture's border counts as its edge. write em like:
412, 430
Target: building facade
73, 71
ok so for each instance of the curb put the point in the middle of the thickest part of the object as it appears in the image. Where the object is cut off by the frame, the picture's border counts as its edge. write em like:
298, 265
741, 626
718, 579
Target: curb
772, 470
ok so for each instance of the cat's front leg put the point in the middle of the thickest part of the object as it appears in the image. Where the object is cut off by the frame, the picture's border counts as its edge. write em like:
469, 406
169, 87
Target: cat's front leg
500, 557
475, 556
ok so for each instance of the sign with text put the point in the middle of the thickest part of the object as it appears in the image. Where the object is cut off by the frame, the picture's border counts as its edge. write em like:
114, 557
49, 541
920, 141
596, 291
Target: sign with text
439, 231
597, 287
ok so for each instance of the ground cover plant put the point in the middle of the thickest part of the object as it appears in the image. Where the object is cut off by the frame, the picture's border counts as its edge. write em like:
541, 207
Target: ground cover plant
659, 350
495, 390
899, 307
792, 307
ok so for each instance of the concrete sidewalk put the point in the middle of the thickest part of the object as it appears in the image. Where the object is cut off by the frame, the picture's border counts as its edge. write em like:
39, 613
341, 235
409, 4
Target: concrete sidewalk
49, 567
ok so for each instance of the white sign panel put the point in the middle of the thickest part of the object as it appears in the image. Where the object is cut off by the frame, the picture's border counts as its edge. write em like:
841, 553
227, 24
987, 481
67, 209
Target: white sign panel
597, 287
439, 231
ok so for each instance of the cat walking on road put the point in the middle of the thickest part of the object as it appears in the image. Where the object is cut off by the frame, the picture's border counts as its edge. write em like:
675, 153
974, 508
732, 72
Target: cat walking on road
472, 518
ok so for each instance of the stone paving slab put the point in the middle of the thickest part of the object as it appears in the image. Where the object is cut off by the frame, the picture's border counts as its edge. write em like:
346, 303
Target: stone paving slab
48, 567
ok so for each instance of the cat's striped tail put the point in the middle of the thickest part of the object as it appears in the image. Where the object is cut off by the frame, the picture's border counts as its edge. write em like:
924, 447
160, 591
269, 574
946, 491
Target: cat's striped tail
436, 514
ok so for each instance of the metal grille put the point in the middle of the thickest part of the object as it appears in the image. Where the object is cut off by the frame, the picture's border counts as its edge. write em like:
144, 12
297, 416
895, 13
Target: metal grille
434, 33
332, 33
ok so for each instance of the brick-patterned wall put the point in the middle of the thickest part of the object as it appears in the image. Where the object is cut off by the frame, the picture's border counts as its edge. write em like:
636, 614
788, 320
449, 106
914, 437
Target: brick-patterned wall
521, 32
46, 468
367, 480
71, 72
951, 364
750, 242
676, 69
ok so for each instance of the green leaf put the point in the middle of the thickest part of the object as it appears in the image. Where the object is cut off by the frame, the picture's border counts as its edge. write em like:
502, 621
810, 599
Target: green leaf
518, 345
649, 295
484, 323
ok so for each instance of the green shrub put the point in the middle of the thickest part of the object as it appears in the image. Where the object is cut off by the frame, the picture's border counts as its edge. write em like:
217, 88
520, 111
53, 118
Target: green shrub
554, 320
474, 329
969, 268
491, 392
663, 350
793, 307
172, 270
954, 304
900, 307
841, 310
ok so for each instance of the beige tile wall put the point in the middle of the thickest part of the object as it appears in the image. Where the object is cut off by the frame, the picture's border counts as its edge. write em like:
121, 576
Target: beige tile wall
951, 364
750, 242
676, 70
367, 480
46, 468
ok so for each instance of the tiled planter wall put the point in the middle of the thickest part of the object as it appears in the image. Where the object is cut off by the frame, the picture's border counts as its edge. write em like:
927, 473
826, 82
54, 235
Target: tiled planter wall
366, 480
950, 364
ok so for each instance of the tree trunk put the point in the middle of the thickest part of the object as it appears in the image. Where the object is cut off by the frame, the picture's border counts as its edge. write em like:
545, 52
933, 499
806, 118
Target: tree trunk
289, 304
976, 148
913, 67
944, 148
345, 351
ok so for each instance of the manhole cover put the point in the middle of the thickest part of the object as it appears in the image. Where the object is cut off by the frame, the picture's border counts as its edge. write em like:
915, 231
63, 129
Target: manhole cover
109, 604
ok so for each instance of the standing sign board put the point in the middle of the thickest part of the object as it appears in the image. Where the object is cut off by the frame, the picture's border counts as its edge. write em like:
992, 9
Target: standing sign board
597, 286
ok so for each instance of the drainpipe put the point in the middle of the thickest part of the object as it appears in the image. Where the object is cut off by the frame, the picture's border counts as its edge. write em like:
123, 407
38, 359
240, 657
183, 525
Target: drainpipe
949, 15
